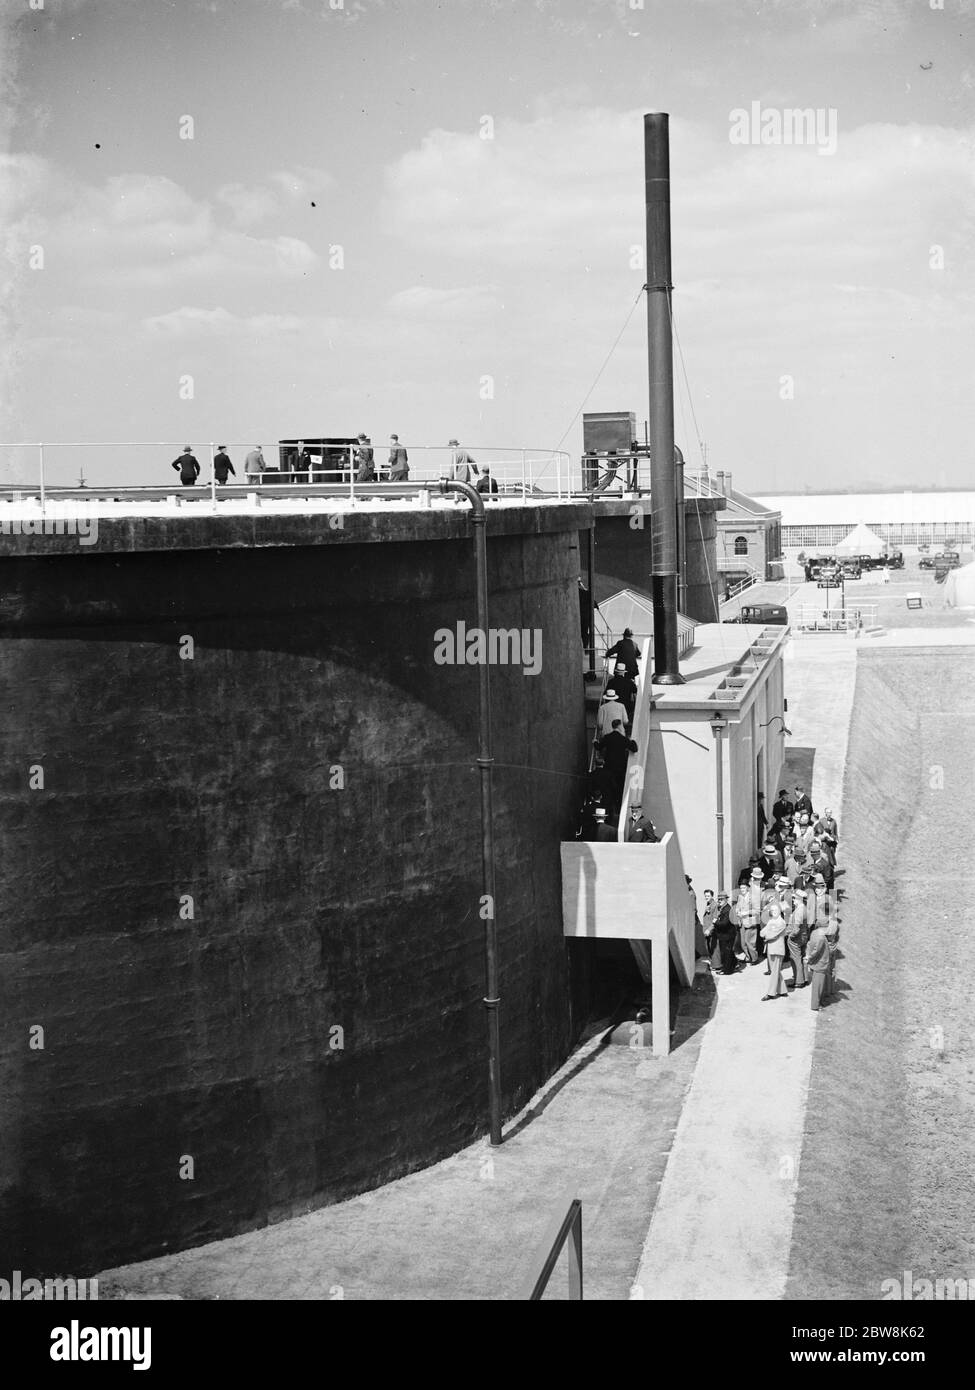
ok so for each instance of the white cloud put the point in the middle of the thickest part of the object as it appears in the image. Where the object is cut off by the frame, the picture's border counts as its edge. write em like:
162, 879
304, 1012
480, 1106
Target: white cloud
144, 230
193, 322
422, 301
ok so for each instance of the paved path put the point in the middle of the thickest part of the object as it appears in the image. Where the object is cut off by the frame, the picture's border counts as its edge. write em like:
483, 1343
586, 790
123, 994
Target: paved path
722, 1226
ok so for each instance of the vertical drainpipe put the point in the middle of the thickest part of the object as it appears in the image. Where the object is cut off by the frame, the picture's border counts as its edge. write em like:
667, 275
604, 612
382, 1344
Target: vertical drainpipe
485, 763
591, 576
656, 147
681, 533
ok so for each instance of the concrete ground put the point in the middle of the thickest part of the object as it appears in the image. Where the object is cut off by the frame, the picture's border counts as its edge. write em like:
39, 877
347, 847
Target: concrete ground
722, 1227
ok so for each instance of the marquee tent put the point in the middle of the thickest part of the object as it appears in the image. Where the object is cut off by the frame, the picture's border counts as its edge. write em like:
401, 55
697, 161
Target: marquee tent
960, 587
861, 541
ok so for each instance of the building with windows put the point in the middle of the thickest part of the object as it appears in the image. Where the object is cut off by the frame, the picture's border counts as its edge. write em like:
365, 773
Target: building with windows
817, 521
749, 532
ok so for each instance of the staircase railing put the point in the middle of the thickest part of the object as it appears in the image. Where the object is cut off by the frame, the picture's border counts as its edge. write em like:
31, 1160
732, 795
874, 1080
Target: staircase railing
564, 1228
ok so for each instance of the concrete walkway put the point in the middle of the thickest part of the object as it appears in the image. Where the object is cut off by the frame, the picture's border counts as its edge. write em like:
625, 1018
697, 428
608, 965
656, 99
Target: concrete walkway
722, 1226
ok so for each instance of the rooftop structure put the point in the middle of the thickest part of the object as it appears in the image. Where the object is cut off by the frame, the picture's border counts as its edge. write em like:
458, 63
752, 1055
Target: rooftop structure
818, 520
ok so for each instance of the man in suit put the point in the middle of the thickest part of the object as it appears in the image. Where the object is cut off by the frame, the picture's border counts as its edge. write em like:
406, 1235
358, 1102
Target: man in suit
747, 915
605, 833
485, 483
770, 861
399, 464
820, 864
817, 961
641, 830
463, 469
724, 934
364, 460
783, 806
187, 466
802, 801
222, 467
627, 652
625, 690
616, 749
826, 825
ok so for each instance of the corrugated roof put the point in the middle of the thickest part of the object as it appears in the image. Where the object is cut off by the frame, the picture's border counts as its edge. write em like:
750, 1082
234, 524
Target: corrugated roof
871, 508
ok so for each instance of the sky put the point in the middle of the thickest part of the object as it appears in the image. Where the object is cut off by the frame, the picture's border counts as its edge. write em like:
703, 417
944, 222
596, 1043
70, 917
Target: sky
244, 220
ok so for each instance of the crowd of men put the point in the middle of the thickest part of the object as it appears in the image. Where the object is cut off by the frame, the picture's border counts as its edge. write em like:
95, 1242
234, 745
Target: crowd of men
462, 467
784, 911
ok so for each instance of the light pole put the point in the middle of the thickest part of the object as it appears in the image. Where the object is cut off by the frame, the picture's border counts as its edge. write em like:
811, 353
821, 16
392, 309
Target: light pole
485, 763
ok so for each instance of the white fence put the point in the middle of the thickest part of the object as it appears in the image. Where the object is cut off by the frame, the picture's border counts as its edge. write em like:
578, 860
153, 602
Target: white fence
810, 618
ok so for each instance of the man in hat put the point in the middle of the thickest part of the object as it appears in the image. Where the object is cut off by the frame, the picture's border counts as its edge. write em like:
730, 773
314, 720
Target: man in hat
605, 833
187, 466
724, 935
627, 652
782, 807
610, 708
364, 460
747, 914
399, 463
625, 690
222, 467
770, 861
817, 961
820, 865
463, 469
804, 833
797, 939
802, 801
601, 787
641, 829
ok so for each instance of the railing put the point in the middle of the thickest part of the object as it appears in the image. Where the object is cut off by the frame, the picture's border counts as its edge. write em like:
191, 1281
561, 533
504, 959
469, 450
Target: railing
91, 467
810, 618
566, 1228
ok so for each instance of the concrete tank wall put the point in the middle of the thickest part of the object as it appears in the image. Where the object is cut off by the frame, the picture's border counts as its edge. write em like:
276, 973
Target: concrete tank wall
316, 906
623, 552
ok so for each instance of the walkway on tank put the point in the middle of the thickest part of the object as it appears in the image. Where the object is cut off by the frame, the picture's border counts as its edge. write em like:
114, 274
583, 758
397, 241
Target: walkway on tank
470, 1227
722, 1227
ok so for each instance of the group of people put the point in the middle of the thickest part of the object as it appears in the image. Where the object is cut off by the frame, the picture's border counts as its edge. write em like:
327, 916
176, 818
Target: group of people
784, 910
613, 745
462, 467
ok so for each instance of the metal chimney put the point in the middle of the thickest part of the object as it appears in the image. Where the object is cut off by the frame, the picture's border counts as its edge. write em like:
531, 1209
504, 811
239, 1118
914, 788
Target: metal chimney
663, 489
727, 484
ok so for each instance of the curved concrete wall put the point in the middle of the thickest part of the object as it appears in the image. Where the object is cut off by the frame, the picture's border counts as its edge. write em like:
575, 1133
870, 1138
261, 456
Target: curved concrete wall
315, 907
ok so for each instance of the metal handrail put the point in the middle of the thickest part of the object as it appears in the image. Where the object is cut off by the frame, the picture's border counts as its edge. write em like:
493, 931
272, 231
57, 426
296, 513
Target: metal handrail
550, 1248
516, 470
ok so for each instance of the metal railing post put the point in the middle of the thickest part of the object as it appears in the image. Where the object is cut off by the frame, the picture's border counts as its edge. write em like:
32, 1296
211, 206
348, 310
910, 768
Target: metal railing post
524, 484
213, 479
40, 469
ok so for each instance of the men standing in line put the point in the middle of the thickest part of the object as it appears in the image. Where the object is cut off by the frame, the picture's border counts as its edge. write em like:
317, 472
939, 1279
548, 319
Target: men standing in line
364, 460
254, 465
627, 652
222, 467
187, 467
399, 464
463, 469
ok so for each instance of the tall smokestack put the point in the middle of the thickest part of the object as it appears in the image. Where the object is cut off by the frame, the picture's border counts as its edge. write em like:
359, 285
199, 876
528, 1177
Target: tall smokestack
663, 490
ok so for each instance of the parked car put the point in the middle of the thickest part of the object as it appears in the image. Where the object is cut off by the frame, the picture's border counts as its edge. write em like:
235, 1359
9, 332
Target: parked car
771, 614
851, 569
945, 560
